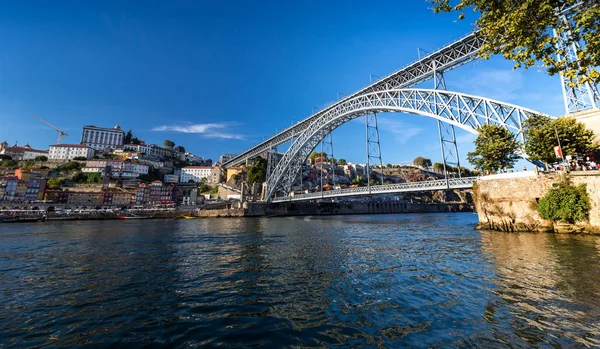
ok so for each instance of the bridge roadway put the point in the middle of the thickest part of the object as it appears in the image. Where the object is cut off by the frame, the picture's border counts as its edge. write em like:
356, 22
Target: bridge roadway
442, 60
440, 184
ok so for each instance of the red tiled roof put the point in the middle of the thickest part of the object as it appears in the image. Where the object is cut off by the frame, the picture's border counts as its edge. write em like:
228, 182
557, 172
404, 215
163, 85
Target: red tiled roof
19, 149
70, 145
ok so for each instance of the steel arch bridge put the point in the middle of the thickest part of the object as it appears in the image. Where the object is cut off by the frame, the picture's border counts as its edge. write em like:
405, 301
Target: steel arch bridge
461, 110
440, 184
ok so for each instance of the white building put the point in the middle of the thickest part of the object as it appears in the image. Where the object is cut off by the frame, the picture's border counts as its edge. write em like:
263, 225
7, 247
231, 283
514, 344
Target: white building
118, 168
196, 173
150, 149
21, 153
171, 178
100, 138
69, 151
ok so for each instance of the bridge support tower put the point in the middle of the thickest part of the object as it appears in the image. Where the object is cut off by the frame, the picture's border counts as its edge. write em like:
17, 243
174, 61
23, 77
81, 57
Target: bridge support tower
446, 131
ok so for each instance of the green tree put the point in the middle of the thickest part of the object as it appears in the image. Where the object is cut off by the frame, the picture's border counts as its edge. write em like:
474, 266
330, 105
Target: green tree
342, 162
359, 180
80, 177
5, 157
519, 30
128, 137
438, 166
80, 158
422, 162
541, 137
566, 203
495, 148
94, 177
180, 149
71, 166
314, 155
169, 144
41, 158
258, 171
134, 140
9, 163
55, 183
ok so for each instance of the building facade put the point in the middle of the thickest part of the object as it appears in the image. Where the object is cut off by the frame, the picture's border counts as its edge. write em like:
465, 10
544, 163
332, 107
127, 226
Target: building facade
156, 193
151, 150
99, 138
25, 152
196, 173
69, 151
118, 168
171, 178
226, 157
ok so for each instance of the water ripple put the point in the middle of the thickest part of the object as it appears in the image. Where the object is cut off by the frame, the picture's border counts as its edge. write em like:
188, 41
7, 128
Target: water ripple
426, 280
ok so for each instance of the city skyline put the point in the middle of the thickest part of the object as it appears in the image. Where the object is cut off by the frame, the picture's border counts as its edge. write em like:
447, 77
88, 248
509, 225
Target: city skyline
177, 72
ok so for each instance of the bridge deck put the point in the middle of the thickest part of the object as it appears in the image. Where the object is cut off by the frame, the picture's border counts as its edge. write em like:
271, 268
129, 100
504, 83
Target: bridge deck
441, 184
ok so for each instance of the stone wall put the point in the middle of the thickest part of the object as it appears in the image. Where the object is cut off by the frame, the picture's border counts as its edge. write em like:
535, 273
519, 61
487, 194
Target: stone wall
591, 119
510, 203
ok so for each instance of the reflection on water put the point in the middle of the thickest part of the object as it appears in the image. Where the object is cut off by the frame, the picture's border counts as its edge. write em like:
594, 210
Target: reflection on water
423, 280
549, 286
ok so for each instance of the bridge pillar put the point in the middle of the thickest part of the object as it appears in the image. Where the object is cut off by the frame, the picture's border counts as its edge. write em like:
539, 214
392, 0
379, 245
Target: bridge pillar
373, 146
446, 131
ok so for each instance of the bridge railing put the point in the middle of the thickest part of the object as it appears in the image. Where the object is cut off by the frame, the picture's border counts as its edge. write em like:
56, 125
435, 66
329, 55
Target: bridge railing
451, 183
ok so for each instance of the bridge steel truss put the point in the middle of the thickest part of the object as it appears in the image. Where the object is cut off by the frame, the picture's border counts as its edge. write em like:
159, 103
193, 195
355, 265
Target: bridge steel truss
442, 60
461, 110
440, 184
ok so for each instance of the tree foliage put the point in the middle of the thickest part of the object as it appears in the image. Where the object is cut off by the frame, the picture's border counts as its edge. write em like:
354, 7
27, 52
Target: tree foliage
128, 137
541, 137
71, 166
41, 158
9, 163
314, 155
438, 166
169, 144
55, 183
79, 177
180, 149
567, 203
520, 31
422, 162
258, 171
495, 148
342, 162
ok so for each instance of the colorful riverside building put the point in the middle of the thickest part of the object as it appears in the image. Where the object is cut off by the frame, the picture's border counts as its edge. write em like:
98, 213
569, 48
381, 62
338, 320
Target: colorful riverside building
80, 198
22, 187
156, 193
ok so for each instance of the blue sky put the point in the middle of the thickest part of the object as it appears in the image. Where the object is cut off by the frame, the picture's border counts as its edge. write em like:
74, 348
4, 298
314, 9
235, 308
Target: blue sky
218, 77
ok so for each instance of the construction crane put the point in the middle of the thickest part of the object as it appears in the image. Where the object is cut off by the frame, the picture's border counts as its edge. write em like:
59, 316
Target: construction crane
60, 133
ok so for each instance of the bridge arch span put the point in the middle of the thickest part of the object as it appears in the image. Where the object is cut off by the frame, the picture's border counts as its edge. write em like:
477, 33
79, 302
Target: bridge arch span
461, 110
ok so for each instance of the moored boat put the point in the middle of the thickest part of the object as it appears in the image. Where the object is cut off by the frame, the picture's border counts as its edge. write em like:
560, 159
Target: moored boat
131, 216
21, 219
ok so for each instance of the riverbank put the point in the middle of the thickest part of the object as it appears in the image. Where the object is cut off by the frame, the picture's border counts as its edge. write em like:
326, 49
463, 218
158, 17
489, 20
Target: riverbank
333, 208
508, 202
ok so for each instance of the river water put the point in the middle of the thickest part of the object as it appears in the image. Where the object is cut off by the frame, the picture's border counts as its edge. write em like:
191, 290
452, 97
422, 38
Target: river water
410, 280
